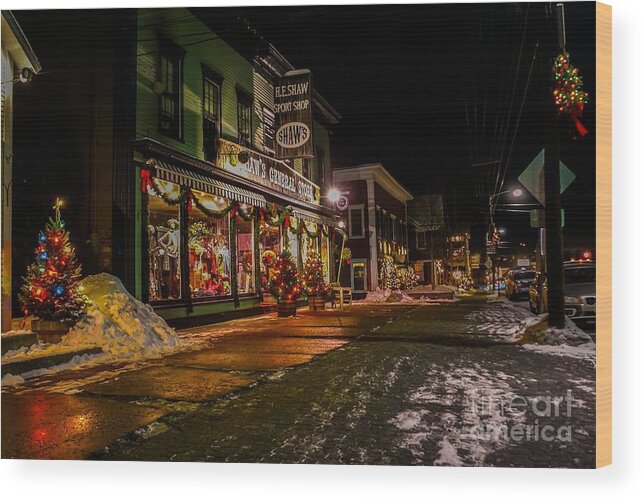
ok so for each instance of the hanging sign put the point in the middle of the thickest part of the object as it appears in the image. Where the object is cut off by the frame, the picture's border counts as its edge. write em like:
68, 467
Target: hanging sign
294, 115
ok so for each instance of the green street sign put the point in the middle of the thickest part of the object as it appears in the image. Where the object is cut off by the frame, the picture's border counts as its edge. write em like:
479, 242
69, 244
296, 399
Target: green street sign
533, 177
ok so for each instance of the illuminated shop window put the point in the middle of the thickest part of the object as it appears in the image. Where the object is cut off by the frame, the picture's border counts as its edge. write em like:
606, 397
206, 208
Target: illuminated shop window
209, 249
245, 256
164, 237
269, 248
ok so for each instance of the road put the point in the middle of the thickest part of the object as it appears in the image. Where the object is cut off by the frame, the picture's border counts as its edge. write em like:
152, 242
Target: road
378, 384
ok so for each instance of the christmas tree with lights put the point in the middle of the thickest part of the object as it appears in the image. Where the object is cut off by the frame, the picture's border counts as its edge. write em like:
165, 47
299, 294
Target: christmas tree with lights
284, 282
569, 96
51, 289
388, 277
313, 276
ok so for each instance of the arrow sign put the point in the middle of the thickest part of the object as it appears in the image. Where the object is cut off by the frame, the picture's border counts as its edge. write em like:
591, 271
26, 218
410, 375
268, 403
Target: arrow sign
533, 177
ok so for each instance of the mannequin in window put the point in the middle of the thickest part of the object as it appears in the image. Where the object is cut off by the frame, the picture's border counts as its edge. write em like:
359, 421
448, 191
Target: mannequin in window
170, 244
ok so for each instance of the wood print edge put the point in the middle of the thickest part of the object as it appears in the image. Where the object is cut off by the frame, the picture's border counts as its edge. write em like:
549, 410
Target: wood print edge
604, 234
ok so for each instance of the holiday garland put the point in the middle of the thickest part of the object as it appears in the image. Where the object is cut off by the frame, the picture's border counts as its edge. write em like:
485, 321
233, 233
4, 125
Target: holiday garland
568, 93
271, 217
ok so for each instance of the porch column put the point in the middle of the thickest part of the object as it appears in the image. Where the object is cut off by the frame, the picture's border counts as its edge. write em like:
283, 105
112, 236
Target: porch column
372, 233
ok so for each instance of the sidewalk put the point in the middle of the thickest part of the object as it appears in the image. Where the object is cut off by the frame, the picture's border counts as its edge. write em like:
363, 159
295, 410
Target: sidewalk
72, 414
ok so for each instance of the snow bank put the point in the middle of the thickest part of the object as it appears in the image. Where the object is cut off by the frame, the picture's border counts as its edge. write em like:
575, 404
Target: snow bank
398, 297
536, 331
118, 323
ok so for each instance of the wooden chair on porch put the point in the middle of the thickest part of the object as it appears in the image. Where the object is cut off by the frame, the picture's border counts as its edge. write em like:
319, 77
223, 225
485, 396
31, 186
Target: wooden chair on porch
340, 294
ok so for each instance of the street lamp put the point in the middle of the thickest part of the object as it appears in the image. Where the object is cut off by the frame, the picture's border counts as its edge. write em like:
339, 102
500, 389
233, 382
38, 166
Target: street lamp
515, 192
333, 195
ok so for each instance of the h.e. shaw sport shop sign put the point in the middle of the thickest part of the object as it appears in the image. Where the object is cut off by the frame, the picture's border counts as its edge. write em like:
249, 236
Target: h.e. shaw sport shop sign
266, 171
294, 115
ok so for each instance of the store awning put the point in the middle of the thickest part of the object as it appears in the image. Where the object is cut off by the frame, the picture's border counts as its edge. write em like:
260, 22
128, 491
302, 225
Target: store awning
178, 175
312, 217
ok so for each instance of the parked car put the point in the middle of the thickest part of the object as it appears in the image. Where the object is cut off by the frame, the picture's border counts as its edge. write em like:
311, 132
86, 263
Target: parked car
517, 282
579, 289
538, 293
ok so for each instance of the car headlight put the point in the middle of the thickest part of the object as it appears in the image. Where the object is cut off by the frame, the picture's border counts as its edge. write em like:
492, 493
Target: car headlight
572, 300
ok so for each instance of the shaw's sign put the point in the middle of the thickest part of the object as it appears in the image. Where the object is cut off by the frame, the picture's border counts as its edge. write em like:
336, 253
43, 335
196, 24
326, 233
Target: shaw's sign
294, 115
266, 171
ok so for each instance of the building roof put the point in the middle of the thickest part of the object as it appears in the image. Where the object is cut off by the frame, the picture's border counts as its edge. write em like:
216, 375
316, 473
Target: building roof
378, 173
15, 42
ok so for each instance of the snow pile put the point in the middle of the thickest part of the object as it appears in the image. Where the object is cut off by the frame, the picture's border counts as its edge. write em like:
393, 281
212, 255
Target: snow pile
536, 331
398, 297
118, 323
377, 296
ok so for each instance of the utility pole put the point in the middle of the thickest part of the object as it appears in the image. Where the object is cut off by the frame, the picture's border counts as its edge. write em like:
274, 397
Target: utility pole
553, 38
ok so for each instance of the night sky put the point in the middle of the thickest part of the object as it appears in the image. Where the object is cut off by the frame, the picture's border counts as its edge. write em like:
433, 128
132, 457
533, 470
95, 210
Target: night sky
431, 90
427, 90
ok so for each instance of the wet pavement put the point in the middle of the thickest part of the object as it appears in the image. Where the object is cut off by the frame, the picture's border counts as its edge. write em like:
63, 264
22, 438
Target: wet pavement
376, 384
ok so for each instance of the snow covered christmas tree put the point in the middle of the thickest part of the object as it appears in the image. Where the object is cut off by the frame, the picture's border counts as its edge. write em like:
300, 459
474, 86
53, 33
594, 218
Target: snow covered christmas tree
388, 277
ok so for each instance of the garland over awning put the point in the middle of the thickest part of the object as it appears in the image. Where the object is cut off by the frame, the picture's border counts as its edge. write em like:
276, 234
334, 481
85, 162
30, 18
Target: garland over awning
178, 175
312, 217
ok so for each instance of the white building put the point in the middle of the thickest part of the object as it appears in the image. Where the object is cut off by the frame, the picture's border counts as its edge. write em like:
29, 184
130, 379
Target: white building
19, 65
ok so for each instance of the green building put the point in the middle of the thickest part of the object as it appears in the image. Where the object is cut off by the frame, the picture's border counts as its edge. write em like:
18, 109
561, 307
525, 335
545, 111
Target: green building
173, 181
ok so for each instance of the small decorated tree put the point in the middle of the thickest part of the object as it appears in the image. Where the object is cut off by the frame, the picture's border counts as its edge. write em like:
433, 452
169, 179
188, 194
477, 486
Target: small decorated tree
313, 281
410, 278
388, 277
284, 284
51, 289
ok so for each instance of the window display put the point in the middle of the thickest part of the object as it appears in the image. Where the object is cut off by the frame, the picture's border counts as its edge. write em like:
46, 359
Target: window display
209, 249
164, 237
245, 256
269, 248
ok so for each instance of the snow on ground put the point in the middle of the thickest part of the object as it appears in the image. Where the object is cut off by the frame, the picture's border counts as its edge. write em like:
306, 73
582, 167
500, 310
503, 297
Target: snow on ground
122, 326
469, 437
398, 297
75, 362
585, 351
505, 319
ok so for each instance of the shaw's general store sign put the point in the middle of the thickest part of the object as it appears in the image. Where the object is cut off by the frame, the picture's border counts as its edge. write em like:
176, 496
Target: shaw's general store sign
265, 171
294, 115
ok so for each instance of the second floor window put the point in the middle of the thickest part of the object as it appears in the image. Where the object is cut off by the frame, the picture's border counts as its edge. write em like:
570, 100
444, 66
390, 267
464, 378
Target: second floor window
170, 96
244, 123
420, 240
356, 221
211, 118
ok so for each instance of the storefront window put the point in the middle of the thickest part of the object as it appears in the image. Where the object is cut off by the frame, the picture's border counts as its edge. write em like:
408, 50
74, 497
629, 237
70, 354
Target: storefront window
245, 256
293, 245
209, 249
269, 248
164, 237
308, 244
